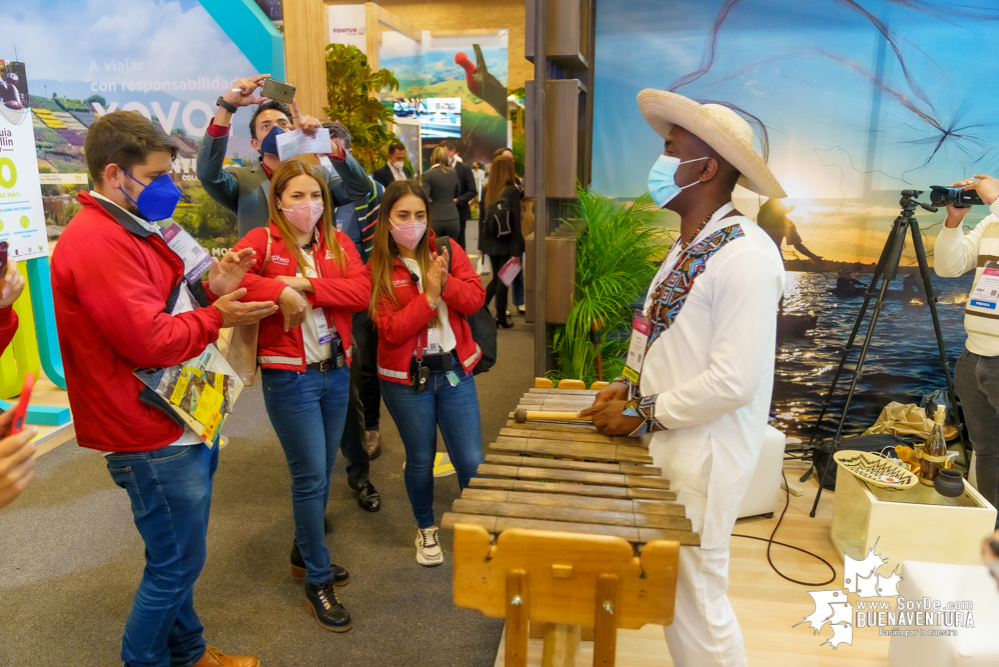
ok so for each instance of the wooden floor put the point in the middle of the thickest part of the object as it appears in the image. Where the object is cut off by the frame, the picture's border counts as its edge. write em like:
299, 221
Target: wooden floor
766, 604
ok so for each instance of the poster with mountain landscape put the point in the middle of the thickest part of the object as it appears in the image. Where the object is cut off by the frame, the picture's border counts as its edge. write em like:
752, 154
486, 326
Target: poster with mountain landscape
859, 100
471, 68
167, 60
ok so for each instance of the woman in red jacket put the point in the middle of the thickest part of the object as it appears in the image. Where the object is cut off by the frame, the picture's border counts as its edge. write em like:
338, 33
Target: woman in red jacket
315, 275
425, 348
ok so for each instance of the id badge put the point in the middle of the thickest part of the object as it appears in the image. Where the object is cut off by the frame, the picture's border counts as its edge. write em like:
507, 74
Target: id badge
636, 349
196, 259
986, 291
319, 317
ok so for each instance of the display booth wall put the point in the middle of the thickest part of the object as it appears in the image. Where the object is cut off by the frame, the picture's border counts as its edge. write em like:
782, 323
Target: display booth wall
169, 61
859, 100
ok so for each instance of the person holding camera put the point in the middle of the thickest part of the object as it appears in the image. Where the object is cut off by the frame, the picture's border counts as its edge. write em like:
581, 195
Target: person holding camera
976, 374
242, 190
124, 300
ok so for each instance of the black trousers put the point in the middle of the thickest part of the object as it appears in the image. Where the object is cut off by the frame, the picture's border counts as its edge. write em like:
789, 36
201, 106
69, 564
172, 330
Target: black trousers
352, 442
366, 350
496, 286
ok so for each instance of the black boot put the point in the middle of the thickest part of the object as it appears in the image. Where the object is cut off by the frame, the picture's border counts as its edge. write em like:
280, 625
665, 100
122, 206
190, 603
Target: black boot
502, 322
341, 577
322, 601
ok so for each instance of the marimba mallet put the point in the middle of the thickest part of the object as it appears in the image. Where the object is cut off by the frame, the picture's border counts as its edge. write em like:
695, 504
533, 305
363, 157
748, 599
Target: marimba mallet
522, 415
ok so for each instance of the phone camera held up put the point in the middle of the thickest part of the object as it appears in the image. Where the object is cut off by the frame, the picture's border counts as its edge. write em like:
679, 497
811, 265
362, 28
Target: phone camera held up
948, 195
278, 91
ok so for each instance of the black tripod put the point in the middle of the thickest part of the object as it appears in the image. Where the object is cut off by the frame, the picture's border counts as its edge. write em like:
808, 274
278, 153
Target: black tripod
886, 270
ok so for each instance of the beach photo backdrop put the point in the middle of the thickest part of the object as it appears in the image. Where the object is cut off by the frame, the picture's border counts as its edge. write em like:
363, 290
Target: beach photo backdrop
859, 100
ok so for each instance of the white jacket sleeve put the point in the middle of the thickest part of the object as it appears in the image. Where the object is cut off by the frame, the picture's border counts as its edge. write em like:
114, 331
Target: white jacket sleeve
745, 289
955, 252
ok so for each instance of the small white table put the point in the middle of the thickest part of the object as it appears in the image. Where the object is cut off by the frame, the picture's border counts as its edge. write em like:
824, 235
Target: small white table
915, 524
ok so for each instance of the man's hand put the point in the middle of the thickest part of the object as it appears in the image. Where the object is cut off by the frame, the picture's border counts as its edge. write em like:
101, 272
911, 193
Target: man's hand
241, 94
297, 283
17, 463
615, 391
293, 306
987, 188
225, 276
608, 417
235, 313
307, 124
12, 285
956, 215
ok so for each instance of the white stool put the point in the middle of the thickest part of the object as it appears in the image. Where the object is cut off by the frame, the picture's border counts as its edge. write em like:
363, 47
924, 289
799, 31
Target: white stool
971, 647
763, 495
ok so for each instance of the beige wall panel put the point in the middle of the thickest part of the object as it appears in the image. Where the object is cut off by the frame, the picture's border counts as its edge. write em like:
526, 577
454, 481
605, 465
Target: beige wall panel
306, 28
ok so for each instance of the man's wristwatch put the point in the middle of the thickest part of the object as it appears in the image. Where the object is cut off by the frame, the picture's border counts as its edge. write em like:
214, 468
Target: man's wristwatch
220, 102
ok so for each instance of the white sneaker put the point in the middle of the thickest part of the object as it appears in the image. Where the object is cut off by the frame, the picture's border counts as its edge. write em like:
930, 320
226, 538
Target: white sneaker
428, 549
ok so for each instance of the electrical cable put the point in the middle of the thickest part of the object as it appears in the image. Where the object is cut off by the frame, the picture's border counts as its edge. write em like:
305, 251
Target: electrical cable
770, 542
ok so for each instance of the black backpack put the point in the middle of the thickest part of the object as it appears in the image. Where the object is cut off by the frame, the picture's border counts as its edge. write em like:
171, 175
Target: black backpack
497, 218
482, 323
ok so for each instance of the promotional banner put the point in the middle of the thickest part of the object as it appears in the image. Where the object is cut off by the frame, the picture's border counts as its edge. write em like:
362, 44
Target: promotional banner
455, 86
168, 61
22, 221
852, 102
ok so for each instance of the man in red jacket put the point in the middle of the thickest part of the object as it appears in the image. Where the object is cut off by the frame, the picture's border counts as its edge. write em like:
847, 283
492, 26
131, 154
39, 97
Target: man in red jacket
127, 298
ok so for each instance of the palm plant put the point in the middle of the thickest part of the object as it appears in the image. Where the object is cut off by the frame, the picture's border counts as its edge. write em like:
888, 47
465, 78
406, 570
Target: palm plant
616, 249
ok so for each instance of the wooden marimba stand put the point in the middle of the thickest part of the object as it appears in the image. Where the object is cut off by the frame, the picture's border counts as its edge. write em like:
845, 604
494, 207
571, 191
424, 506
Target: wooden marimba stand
567, 513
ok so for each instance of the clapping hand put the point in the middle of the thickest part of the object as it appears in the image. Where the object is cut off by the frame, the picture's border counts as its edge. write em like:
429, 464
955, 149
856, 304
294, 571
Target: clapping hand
293, 306
436, 278
225, 276
17, 463
446, 254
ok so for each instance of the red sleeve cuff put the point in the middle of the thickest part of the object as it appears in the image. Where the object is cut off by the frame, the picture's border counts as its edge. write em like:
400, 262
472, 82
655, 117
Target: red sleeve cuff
334, 158
217, 131
6, 314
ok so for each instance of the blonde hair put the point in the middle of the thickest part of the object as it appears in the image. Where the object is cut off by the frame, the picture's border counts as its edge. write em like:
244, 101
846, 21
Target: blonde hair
440, 156
384, 249
279, 181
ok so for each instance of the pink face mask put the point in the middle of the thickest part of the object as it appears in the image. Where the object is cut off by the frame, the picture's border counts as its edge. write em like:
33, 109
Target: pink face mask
408, 234
304, 215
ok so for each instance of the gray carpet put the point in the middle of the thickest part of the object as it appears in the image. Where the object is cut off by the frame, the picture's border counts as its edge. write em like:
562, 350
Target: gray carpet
71, 559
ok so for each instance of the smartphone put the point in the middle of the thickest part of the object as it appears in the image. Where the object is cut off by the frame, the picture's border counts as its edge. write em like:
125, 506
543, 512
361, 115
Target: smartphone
21, 411
3, 259
278, 90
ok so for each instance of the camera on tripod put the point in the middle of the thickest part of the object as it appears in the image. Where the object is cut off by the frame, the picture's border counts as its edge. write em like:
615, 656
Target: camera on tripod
949, 195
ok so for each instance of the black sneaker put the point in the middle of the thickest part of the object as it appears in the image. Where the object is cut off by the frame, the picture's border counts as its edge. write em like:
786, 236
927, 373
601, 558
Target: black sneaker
341, 577
322, 601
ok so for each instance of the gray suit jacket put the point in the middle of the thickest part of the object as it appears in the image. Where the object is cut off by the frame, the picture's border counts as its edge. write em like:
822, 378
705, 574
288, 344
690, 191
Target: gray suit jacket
243, 190
442, 189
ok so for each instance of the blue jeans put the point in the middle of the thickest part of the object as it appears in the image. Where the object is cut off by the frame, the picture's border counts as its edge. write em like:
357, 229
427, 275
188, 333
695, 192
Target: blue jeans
417, 416
518, 288
308, 411
171, 494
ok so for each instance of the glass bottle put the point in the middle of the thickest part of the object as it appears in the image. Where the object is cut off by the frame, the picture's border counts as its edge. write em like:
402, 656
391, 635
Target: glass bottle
934, 456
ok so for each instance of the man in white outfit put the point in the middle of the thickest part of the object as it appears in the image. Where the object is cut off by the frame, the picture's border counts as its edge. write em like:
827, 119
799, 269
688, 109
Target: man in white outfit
700, 367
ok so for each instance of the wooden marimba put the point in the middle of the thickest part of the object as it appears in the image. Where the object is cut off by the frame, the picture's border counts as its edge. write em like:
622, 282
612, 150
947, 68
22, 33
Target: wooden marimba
542, 480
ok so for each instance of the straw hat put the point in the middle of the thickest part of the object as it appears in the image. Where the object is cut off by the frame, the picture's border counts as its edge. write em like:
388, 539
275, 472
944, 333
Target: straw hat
718, 126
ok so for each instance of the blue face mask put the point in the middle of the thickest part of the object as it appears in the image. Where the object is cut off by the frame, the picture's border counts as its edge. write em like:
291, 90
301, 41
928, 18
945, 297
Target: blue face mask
662, 181
269, 144
157, 200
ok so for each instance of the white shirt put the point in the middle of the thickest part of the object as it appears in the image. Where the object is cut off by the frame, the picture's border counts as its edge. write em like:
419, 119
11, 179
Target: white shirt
712, 370
185, 304
445, 337
955, 253
314, 352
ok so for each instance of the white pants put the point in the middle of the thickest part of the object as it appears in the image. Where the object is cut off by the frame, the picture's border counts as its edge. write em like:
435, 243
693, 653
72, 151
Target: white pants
705, 631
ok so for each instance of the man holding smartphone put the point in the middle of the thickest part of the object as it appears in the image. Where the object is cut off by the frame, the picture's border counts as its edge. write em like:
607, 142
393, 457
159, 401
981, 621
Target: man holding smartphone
976, 373
243, 190
126, 299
